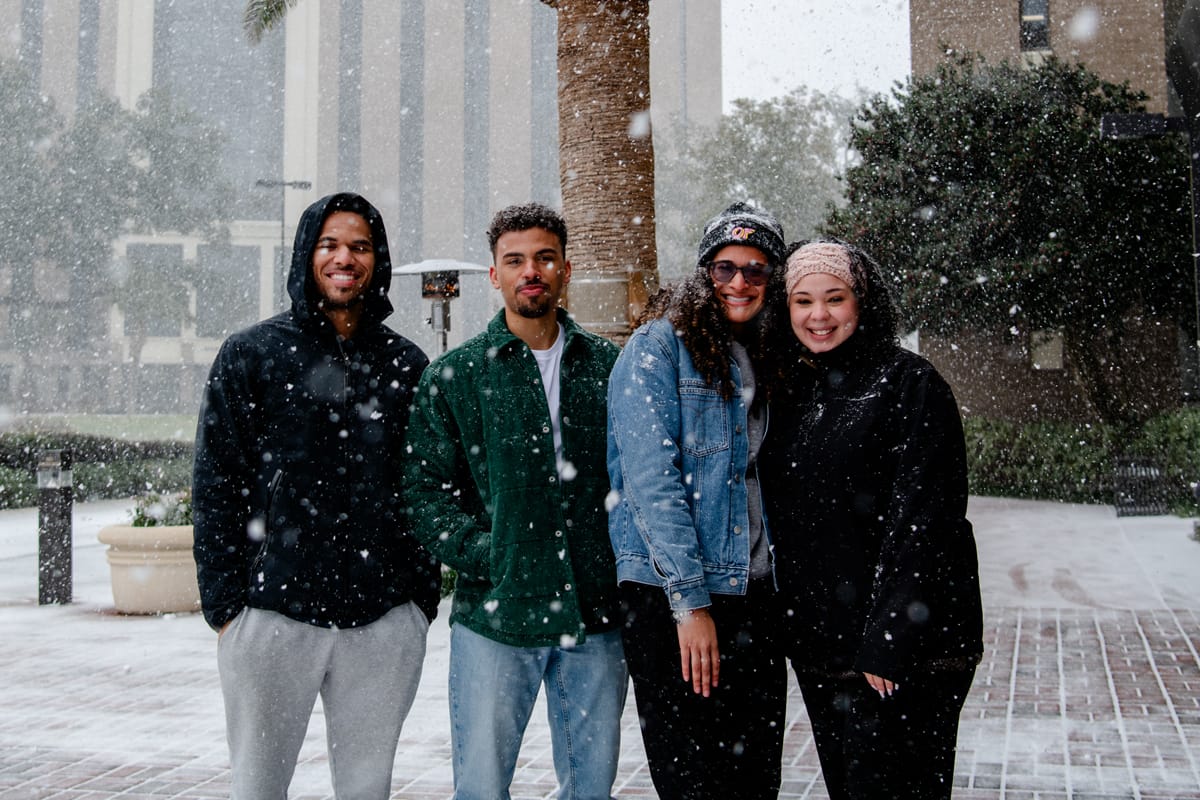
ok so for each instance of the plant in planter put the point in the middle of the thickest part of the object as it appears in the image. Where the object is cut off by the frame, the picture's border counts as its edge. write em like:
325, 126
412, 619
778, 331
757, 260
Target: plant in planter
152, 510
153, 571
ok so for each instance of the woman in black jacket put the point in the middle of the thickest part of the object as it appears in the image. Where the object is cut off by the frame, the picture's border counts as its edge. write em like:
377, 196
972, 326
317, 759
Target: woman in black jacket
864, 473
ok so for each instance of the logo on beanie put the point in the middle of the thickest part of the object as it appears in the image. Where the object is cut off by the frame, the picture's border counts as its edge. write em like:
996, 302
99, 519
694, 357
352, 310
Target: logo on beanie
741, 233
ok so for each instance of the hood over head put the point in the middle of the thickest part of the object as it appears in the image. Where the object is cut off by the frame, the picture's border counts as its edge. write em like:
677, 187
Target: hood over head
302, 285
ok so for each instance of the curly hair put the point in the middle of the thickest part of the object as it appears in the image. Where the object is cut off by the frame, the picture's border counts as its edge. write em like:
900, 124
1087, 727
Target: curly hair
523, 218
878, 320
692, 307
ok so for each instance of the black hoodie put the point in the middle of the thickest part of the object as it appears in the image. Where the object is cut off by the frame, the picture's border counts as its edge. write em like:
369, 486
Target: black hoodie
296, 481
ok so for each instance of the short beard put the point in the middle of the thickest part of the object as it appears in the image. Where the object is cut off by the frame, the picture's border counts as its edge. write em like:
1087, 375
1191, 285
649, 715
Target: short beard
325, 304
534, 308
531, 312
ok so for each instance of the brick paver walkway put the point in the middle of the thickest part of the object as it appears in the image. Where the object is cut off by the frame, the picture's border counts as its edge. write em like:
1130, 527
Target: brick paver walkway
1067, 704
1084, 704
1077, 702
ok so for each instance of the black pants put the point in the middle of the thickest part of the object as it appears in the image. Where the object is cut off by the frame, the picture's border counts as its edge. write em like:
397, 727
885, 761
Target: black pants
899, 747
727, 745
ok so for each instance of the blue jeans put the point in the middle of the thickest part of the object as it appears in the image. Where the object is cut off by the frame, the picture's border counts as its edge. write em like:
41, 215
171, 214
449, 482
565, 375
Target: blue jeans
493, 688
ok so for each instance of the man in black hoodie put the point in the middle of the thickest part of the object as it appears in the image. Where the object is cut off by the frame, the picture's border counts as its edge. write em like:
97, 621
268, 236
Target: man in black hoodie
305, 562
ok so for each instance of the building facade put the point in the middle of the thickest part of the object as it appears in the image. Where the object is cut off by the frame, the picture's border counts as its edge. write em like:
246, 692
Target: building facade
1119, 40
1027, 376
438, 111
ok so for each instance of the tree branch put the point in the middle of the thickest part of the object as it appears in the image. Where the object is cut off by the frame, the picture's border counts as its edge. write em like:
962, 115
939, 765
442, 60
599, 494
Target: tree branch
262, 15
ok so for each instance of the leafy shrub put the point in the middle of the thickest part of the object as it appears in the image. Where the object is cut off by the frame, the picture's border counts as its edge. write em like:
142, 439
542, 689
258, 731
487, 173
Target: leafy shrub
18, 489
20, 450
1173, 441
100, 481
449, 581
152, 509
1043, 460
103, 468
1076, 463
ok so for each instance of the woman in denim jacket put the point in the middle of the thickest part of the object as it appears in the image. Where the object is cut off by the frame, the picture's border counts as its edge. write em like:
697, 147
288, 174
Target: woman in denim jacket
686, 416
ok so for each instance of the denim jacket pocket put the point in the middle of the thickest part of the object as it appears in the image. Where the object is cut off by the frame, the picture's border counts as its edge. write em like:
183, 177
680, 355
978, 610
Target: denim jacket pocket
707, 431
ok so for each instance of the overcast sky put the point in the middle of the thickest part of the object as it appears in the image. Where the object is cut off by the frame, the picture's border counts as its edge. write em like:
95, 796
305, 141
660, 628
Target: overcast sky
772, 46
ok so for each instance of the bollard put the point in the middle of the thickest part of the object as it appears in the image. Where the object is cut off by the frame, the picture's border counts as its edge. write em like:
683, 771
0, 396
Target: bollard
55, 496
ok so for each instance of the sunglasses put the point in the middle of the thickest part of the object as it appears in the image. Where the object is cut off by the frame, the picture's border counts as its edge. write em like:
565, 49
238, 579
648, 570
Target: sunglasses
754, 273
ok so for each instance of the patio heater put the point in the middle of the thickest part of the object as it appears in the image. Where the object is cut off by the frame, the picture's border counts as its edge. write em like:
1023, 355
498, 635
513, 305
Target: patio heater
439, 285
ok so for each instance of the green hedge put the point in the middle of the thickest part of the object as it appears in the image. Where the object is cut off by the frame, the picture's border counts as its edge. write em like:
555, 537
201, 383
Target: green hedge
20, 450
102, 468
1045, 461
1076, 463
1174, 439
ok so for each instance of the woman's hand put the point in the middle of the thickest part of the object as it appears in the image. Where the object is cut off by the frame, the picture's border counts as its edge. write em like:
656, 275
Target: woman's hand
881, 685
698, 652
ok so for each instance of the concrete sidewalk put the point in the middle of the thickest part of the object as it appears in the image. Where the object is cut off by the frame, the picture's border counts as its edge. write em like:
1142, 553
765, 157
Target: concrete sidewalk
1090, 686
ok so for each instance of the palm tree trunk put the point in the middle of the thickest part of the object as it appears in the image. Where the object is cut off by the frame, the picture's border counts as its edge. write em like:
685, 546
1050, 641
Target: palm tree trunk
606, 159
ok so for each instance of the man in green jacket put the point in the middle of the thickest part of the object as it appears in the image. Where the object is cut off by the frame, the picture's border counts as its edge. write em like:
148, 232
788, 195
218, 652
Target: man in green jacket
506, 482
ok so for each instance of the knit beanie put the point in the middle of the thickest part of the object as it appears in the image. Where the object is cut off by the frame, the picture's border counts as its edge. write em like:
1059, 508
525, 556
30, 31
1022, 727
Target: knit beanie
827, 257
744, 224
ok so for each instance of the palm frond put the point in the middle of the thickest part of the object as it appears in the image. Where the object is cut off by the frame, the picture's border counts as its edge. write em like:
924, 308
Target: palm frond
262, 15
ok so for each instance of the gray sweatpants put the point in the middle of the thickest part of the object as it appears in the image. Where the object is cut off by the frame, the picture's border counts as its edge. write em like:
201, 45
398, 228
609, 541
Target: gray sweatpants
272, 669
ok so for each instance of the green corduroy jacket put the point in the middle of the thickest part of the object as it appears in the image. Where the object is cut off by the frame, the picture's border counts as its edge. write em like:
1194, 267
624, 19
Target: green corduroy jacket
535, 567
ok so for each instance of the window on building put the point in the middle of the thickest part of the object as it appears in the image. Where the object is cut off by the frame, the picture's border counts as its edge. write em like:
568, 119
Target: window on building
154, 297
226, 289
1046, 349
1035, 25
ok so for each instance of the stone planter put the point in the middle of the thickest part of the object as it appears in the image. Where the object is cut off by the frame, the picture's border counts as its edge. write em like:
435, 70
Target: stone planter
153, 571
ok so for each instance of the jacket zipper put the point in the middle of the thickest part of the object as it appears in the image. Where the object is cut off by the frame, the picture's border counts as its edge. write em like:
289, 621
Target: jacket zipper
272, 488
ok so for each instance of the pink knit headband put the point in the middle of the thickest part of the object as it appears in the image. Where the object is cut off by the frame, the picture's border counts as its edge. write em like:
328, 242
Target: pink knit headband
826, 257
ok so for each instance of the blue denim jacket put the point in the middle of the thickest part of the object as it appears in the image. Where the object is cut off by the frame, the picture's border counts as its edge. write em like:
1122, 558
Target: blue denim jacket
677, 457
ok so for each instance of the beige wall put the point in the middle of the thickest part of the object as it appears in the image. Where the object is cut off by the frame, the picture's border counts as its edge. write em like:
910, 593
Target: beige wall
987, 27
380, 164
444, 135
510, 145
60, 35
685, 61
992, 376
1129, 43
10, 28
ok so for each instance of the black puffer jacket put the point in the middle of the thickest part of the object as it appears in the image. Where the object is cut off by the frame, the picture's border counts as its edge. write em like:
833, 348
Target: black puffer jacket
864, 474
296, 482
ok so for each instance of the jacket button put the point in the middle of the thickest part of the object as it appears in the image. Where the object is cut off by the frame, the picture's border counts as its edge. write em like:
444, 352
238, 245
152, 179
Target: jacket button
733, 581
567, 587
545, 429
737, 529
737, 478
676, 596
558, 534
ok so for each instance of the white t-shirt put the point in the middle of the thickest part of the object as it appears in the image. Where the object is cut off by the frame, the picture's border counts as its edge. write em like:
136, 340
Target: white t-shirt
549, 363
